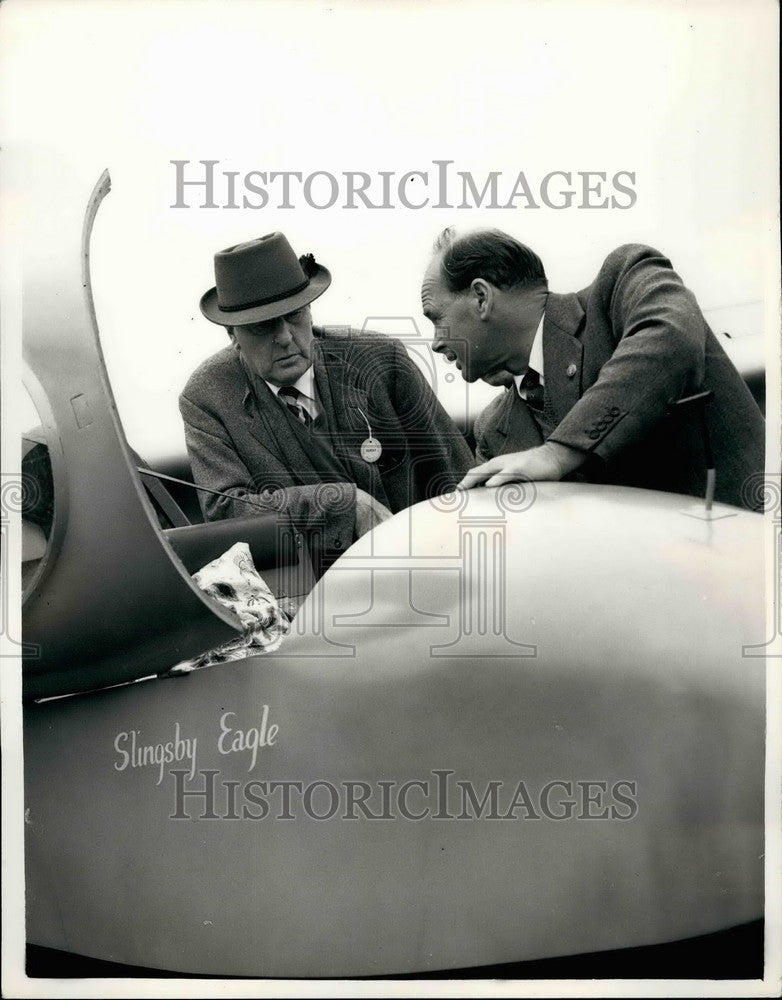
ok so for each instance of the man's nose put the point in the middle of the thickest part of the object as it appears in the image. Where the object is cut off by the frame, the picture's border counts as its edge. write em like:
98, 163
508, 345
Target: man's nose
282, 332
440, 339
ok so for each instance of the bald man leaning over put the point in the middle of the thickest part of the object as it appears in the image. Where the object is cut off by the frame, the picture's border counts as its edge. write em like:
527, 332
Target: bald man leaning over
592, 378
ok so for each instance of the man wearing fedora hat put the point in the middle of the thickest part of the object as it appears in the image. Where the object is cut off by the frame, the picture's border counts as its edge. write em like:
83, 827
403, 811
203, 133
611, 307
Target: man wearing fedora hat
339, 429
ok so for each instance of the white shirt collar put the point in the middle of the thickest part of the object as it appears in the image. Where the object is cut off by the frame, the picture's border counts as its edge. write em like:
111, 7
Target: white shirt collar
535, 357
304, 383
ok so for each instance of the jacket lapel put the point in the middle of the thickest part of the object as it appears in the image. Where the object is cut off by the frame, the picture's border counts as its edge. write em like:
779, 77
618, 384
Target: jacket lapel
298, 451
272, 429
515, 429
563, 355
340, 396
343, 402
522, 431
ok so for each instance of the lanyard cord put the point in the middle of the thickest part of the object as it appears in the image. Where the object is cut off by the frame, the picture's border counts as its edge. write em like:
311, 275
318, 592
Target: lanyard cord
365, 420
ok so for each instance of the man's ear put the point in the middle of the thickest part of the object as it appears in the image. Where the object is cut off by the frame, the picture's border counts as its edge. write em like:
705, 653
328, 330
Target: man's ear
483, 295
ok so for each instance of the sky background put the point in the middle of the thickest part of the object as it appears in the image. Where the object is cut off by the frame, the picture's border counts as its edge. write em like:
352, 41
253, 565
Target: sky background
682, 94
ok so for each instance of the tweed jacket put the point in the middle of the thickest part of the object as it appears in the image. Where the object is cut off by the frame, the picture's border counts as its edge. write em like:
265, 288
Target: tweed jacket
242, 440
617, 355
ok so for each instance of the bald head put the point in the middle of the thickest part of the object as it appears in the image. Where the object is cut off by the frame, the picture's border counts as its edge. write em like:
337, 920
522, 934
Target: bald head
484, 293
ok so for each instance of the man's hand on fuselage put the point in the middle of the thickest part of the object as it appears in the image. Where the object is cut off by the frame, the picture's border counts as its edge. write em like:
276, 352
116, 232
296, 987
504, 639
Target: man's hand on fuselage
550, 461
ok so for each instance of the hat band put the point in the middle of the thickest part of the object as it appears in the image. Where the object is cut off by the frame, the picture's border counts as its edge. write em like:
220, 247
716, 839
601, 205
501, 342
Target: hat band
267, 300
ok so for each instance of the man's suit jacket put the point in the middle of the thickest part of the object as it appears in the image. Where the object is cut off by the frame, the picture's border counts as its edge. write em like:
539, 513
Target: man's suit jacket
243, 441
616, 356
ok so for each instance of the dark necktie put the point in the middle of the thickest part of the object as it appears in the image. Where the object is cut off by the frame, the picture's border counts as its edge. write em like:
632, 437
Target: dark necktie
533, 390
290, 395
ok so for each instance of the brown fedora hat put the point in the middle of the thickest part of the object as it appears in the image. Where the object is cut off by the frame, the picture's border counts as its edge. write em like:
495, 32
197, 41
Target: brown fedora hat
260, 280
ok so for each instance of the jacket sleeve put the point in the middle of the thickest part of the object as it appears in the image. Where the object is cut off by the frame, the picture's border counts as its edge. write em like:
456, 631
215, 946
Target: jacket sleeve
216, 465
659, 355
439, 453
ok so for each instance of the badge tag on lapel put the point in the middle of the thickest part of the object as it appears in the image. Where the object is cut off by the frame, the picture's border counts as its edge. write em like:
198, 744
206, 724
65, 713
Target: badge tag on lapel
371, 449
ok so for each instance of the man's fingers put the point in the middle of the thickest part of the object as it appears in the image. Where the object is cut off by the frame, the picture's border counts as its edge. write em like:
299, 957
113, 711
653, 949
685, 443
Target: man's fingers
478, 475
472, 479
500, 479
502, 476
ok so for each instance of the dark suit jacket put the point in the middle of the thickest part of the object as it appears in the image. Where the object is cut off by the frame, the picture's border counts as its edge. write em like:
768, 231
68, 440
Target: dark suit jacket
243, 441
616, 355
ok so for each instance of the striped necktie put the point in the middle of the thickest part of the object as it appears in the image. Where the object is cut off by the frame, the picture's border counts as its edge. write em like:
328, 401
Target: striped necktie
290, 395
